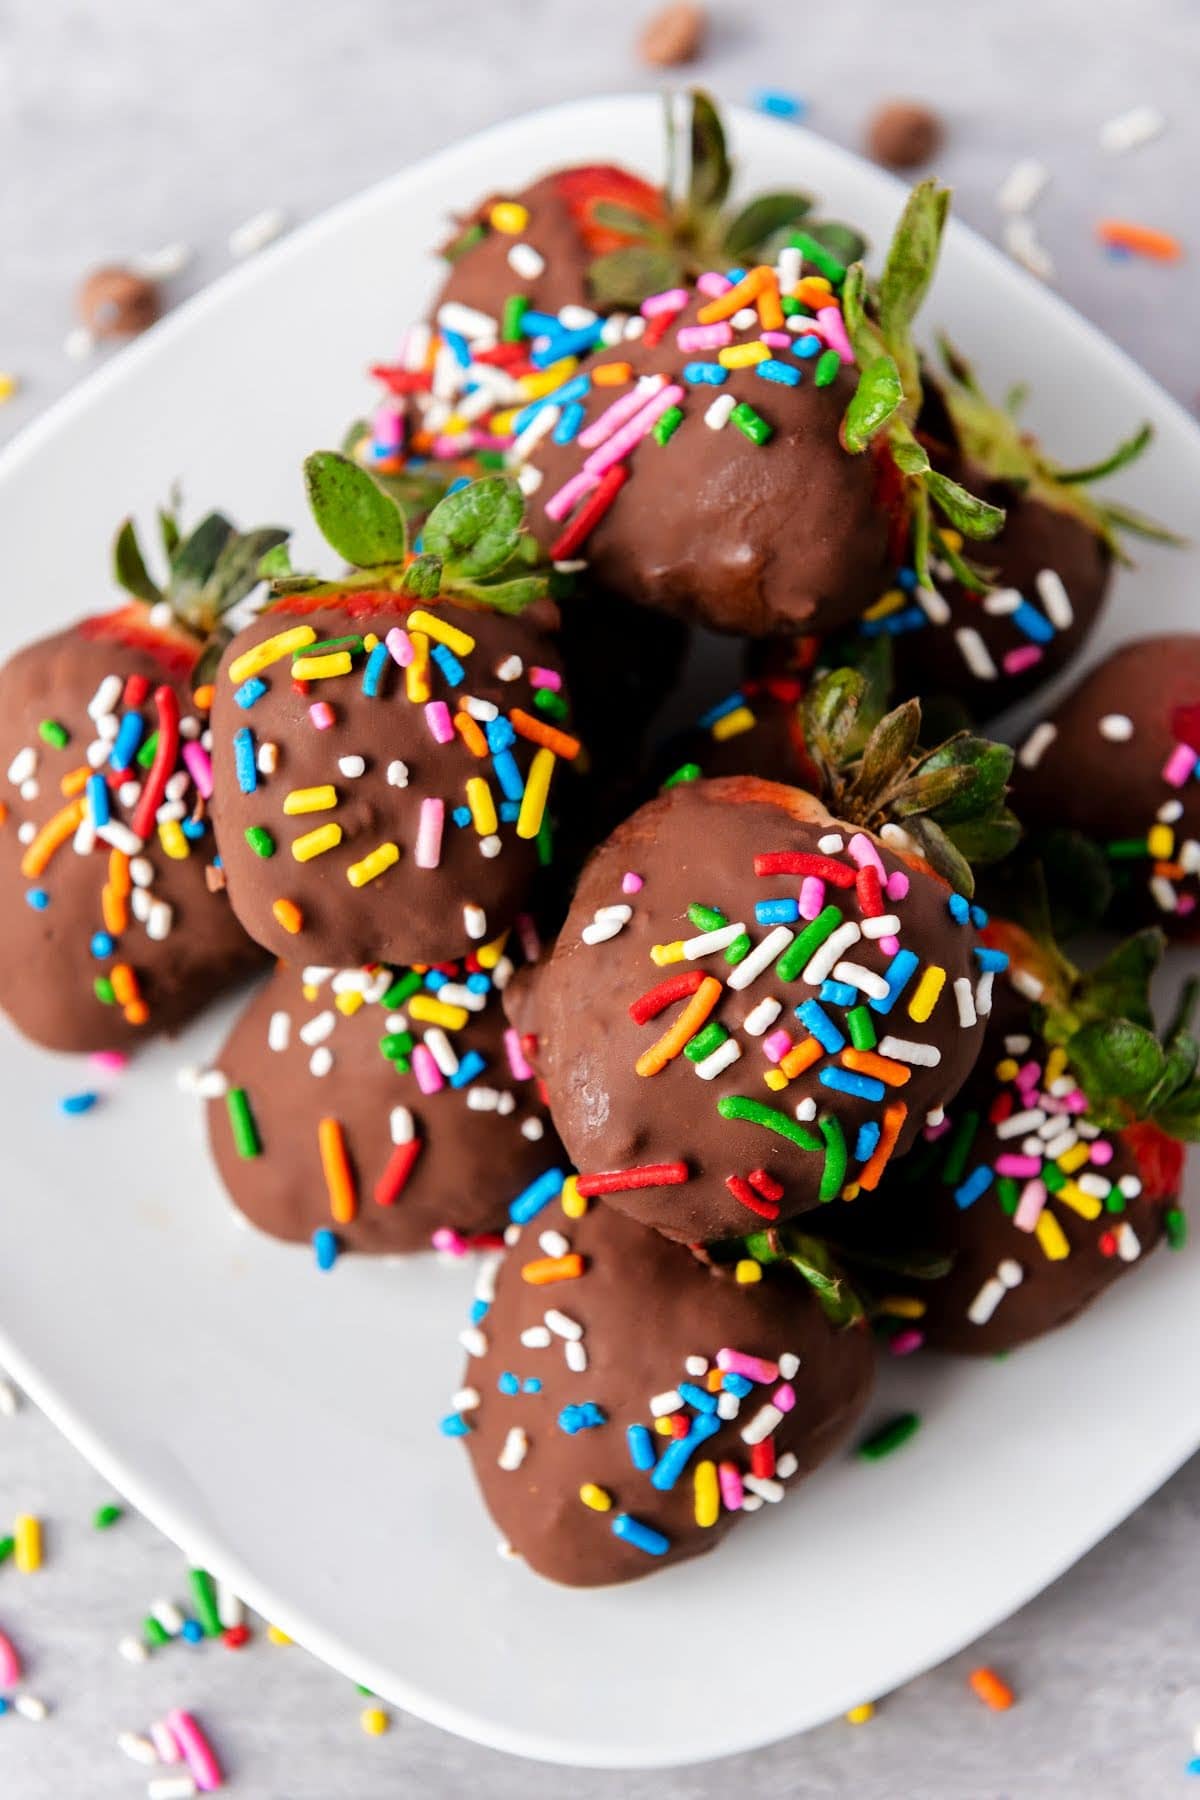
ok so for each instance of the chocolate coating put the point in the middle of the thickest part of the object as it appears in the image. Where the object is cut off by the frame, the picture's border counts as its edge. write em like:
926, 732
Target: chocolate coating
48, 967
473, 1161
763, 734
696, 844
1101, 773
788, 535
1005, 1285
408, 913
643, 1307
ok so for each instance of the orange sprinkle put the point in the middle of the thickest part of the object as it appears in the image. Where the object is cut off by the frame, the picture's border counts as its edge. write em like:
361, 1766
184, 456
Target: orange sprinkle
468, 730
3, 813
893, 1120
800, 1057
612, 374
51, 837
118, 872
770, 312
538, 732
339, 1178
113, 910
743, 293
74, 781
1170, 871
203, 697
137, 1012
552, 1268
1123, 234
987, 1685
288, 915
869, 1062
124, 985
669, 1045
814, 291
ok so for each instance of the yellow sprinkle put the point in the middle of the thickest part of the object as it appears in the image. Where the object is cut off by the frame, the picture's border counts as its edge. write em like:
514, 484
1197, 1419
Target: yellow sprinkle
851, 1191
315, 843
271, 650
926, 996
1007, 1069
858, 1715
662, 954
776, 1080
742, 356
482, 805
488, 955
8, 386
309, 991
902, 1306
887, 604
953, 538
276, 1636
429, 1010
373, 865
537, 790
348, 1003
27, 1543
1073, 1159
441, 632
734, 723
374, 1720
509, 216
706, 1494
1160, 842
596, 1497
502, 422
663, 1427
370, 642
454, 425
1050, 1236
1056, 1064
574, 1204
747, 1271
546, 380
319, 668
306, 800
1072, 1195
416, 676
170, 836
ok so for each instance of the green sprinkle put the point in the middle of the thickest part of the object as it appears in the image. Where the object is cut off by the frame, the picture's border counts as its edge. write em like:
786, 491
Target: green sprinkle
103, 989
241, 1120
789, 306
327, 646
104, 1516
260, 840
959, 1148
834, 1173
1126, 849
7, 1546
474, 234
515, 308
862, 1028
51, 732
705, 1042
828, 364
668, 425
402, 989
1175, 1220
155, 1634
491, 459
750, 423
1053, 1177
706, 918
821, 259
753, 1112
740, 947
402, 1065
145, 755
545, 842
889, 1437
686, 772
801, 950
1114, 1200
396, 1043
1008, 1194
205, 1594
547, 701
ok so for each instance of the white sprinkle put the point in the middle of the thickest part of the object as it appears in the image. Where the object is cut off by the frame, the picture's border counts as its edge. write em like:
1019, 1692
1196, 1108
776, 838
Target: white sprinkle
473, 1341
986, 1300
983, 993
505, 1104
415, 351
79, 344
1116, 727
1037, 744
695, 1366
820, 965
935, 608
966, 1002
1023, 186
483, 710
1018, 1123
400, 1125
29, 790
1096, 1185
1021, 242
27, 831
267, 758
709, 941
466, 1400
717, 415
634, 327
760, 958
351, 981
320, 1062
866, 980
934, 1116
535, 1337
120, 837
576, 1358
397, 774
211, 1084
607, 922
728, 1405
898, 839
975, 653
510, 669
832, 844
752, 1503
230, 1610
723, 1057
162, 264
1170, 812
526, 262
529, 479
467, 321
485, 1276
1130, 130
168, 1616
789, 267
137, 1749
766, 1490
105, 697
885, 926
1017, 1044
475, 922
533, 1130
761, 1017
1128, 1248
489, 846
256, 233
516, 1444
541, 424
482, 1099
762, 1424
318, 1028
352, 766
1003, 601
789, 1365
30, 1706
926, 1056
9, 1402
806, 1109
133, 1650
171, 1787
662, 1404
1130, 1186
22, 766
1164, 893
787, 1465
441, 1050
553, 1243
1054, 597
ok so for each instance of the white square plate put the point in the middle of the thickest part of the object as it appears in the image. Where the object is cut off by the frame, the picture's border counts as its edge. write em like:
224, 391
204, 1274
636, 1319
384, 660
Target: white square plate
282, 1426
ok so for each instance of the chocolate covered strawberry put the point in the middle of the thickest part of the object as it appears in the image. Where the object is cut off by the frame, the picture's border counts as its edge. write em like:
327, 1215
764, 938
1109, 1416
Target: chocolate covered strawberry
116, 925
1056, 1171
625, 1404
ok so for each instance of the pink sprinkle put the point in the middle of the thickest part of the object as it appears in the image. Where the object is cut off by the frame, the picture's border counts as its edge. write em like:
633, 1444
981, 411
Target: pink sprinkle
705, 337
1018, 1166
10, 1663
754, 1368
1017, 661
389, 428
441, 725
897, 885
905, 1342
1101, 1152
560, 504
728, 1479
546, 678
1029, 1207
199, 766
428, 853
812, 896
1076, 1103
631, 883
778, 340
164, 1742
451, 1243
784, 1397
1029, 1075
115, 1060
630, 436
321, 714
932, 1133
863, 852
429, 1076
516, 1056
890, 946
776, 1046
400, 646
619, 413
712, 284
1186, 903
670, 300
1179, 765
830, 319
197, 1751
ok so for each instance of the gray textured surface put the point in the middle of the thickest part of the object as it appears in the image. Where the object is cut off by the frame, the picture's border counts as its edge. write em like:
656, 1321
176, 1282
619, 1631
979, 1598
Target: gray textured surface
126, 126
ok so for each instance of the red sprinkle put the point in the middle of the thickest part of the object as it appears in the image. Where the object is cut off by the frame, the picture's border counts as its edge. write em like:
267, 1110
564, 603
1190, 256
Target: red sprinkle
589, 514
796, 862
741, 1190
870, 899
236, 1636
136, 689
657, 999
623, 1181
400, 1163
658, 327
762, 1459
165, 751
765, 1184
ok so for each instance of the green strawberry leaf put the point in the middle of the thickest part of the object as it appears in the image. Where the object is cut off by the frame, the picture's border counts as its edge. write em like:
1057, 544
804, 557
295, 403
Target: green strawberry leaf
168, 530
624, 219
830, 711
1124, 454
129, 566
938, 849
931, 790
907, 273
511, 597
876, 399
238, 569
975, 518
1116, 1059
990, 839
475, 529
766, 214
1120, 985
423, 577
625, 277
711, 171
353, 514
841, 241
989, 766
888, 749
276, 563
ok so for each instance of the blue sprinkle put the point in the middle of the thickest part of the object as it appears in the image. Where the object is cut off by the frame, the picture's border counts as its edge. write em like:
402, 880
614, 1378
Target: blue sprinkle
325, 1246
567, 429
995, 960
737, 1384
813, 1015
808, 345
98, 803
499, 734
471, 1065
678, 1452
721, 710
435, 979
960, 908
1122, 253
448, 663
509, 811
461, 816
565, 343
458, 346
698, 1397
735, 275
776, 912
192, 1631
193, 828
587, 1417
377, 662
1034, 624
838, 993
3, 1706
845, 1081
1193, 1767
641, 1446
906, 579
642, 1537
508, 775
537, 1195
78, 1103
454, 1425
243, 759
102, 944
532, 1385
479, 983
575, 389
898, 974
128, 738
978, 918
977, 1183
38, 898
508, 1383
537, 324
895, 624
784, 374
705, 374
249, 692
780, 105
479, 1310
865, 1142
